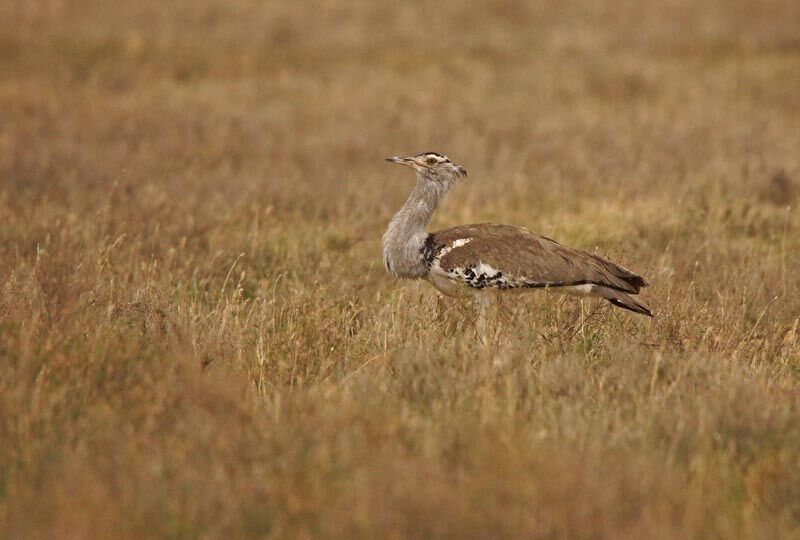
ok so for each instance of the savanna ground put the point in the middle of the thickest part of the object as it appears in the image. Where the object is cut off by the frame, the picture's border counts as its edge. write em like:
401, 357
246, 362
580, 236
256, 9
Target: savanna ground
198, 339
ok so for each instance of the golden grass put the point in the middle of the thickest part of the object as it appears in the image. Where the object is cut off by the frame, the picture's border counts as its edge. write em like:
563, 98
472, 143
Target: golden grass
197, 337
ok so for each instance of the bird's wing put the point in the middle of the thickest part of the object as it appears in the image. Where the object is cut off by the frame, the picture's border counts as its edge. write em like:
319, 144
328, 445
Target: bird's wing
488, 255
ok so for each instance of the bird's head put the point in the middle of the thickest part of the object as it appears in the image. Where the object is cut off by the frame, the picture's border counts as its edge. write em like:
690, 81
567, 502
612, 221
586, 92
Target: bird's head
432, 167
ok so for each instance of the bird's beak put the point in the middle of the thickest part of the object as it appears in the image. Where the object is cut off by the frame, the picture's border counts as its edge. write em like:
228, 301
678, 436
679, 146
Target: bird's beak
462, 171
400, 160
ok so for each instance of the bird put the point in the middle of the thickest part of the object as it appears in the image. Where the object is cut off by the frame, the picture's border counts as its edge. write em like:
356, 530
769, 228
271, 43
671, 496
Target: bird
486, 257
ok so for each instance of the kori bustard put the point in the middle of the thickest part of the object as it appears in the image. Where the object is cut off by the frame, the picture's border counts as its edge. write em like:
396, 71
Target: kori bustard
476, 259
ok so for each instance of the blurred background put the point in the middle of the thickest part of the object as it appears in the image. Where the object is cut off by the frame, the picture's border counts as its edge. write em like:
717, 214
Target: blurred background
198, 339
289, 102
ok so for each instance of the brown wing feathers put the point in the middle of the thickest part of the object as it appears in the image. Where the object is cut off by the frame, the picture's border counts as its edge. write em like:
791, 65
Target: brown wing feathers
538, 260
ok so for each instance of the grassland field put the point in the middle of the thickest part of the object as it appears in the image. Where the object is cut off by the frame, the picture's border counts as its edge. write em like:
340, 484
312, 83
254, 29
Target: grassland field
198, 339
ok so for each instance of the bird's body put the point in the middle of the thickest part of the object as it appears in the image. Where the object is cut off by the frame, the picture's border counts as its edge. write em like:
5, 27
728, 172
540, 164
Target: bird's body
472, 259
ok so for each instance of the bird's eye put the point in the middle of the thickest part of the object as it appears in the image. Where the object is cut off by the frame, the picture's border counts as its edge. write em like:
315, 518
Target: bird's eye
431, 161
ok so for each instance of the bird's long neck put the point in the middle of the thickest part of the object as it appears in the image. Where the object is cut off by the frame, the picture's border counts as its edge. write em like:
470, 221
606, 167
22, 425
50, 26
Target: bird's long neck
405, 235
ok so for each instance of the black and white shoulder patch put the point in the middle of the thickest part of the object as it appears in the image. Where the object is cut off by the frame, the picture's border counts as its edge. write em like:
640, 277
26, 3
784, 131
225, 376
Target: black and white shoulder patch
478, 275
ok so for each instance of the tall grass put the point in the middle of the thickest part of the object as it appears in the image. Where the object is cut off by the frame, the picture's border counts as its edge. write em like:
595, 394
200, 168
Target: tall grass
198, 339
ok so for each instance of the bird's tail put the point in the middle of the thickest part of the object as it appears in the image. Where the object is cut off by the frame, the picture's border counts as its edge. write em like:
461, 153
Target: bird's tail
621, 299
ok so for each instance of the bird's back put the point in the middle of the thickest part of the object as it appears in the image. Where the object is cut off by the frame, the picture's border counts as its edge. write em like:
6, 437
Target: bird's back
489, 255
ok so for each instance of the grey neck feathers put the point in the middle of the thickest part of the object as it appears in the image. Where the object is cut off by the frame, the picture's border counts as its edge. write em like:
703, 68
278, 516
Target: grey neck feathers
405, 236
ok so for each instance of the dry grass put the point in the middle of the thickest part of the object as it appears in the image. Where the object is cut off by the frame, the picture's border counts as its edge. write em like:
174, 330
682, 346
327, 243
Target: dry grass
197, 338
